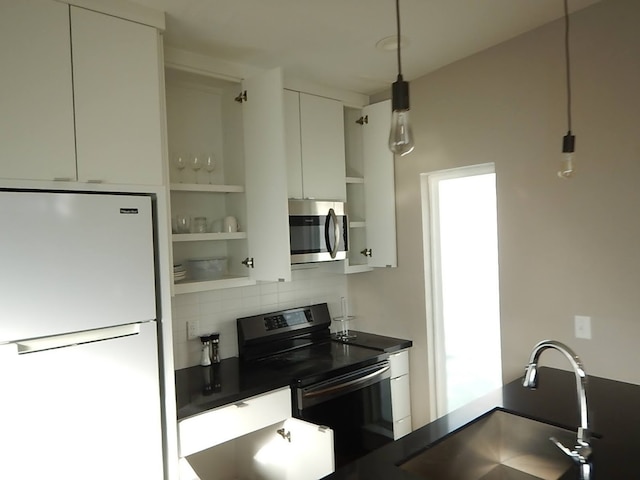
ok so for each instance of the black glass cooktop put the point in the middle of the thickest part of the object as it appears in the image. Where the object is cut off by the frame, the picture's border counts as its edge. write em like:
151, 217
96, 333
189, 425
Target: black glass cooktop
316, 362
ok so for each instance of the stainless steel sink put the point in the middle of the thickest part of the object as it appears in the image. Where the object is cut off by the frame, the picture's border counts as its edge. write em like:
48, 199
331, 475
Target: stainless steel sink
498, 446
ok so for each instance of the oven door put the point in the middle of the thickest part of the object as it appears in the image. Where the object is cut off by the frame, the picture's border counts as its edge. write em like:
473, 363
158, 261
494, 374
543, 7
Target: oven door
317, 231
356, 406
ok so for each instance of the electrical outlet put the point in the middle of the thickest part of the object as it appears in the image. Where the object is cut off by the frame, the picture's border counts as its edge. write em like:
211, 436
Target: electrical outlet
583, 327
193, 329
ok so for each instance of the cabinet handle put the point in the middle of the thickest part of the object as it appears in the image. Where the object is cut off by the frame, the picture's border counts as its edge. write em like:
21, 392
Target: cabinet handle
284, 434
363, 120
366, 252
248, 262
242, 404
63, 179
242, 97
95, 180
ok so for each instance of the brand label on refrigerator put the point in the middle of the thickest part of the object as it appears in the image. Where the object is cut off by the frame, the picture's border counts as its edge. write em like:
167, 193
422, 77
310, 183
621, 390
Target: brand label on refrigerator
129, 211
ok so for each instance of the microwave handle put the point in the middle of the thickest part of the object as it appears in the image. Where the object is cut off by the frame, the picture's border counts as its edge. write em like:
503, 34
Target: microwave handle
336, 233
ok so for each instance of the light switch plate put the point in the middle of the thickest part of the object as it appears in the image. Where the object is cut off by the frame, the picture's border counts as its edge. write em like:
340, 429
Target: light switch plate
583, 327
193, 329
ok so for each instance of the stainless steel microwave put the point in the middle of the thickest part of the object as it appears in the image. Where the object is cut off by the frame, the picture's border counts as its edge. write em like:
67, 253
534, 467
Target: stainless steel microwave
318, 231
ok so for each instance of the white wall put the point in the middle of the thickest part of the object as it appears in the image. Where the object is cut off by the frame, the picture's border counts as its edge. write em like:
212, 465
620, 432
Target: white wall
217, 310
566, 247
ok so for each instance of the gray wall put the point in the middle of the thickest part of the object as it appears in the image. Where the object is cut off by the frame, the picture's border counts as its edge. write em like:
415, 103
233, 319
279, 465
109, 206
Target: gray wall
566, 247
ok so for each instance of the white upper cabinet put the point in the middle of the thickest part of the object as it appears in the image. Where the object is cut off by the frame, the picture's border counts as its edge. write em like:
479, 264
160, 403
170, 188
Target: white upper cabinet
379, 186
36, 97
79, 95
116, 75
266, 177
315, 147
244, 135
370, 188
293, 145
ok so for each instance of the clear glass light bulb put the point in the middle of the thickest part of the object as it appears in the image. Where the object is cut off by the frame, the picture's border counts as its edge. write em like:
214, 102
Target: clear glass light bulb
401, 136
566, 165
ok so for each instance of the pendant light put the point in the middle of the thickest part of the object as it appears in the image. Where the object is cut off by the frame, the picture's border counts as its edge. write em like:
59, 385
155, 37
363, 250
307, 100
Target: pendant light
569, 140
401, 136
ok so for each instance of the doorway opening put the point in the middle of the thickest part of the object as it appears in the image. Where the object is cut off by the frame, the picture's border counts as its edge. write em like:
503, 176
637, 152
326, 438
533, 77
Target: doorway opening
461, 275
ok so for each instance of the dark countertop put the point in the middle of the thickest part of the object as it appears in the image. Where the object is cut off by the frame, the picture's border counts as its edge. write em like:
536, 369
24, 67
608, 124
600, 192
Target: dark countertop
614, 409
376, 342
199, 389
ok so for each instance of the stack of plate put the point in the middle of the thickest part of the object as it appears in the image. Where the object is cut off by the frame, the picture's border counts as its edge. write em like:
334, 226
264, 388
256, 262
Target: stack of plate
179, 272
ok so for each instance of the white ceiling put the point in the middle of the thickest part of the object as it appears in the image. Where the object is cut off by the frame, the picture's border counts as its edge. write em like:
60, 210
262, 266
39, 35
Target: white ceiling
332, 42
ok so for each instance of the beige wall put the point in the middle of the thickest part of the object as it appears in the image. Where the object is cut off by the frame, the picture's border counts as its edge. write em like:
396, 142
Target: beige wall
566, 247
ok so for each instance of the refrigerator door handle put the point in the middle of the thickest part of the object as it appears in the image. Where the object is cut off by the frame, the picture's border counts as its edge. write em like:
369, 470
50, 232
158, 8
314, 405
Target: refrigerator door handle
76, 338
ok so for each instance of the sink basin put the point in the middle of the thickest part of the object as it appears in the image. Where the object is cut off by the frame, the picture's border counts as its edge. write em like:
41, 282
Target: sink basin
496, 446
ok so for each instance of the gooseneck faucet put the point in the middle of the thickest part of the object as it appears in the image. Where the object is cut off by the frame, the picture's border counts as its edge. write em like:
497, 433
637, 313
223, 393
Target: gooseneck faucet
582, 450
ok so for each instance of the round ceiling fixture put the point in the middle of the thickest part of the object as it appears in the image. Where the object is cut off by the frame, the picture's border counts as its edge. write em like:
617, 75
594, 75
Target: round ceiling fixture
390, 44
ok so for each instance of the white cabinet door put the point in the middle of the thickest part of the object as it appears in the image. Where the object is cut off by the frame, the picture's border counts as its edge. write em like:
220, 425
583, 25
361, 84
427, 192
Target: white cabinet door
36, 98
116, 76
379, 187
266, 178
293, 145
322, 144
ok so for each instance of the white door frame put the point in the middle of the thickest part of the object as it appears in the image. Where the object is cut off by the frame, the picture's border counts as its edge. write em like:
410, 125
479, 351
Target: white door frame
433, 291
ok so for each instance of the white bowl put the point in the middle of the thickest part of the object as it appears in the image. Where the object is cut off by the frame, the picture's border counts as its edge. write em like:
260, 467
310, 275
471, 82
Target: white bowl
211, 268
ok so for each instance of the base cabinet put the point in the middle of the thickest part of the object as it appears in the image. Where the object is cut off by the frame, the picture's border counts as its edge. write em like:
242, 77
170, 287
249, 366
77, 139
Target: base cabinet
400, 393
243, 441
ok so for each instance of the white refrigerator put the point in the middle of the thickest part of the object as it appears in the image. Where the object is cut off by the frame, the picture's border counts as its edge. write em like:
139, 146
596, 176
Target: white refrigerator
79, 375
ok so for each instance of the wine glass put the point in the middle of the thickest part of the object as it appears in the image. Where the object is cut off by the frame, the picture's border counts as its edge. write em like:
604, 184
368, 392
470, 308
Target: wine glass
181, 163
195, 163
209, 165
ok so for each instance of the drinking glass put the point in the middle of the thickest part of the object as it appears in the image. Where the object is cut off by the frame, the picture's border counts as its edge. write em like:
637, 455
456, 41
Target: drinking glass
180, 162
209, 165
183, 223
195, 163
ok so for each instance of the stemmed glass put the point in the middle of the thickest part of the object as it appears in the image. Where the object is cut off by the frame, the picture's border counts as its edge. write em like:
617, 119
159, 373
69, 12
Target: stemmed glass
195, 163
209, 165
181, 163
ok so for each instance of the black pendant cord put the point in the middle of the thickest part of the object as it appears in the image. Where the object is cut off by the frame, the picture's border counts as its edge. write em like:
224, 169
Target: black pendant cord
567, 61
398, 30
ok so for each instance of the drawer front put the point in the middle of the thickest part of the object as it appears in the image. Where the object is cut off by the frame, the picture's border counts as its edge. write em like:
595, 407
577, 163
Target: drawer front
401, 428
399, 363
231, 421
400, 397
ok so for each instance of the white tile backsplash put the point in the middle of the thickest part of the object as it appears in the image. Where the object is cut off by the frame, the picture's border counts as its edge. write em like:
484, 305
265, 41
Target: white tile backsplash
217, 310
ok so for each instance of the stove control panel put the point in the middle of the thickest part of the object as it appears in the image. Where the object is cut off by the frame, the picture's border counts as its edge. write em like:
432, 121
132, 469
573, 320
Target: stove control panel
287, 319
257, 331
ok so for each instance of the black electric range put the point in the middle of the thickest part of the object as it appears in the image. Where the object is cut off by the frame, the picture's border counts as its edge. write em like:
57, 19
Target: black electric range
298, 344
344, 386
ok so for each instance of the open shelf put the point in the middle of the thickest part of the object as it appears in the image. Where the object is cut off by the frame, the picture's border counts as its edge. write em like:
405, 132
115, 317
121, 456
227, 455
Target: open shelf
203, 187
204, 237
192, 286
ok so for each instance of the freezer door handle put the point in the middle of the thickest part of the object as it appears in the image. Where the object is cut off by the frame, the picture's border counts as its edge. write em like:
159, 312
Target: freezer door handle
76, 338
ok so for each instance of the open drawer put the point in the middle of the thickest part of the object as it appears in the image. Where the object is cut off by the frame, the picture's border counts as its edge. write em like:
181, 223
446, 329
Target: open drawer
288, 450
231, 421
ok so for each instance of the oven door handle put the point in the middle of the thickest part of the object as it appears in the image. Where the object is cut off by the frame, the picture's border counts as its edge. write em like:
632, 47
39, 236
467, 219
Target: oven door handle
338, 386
